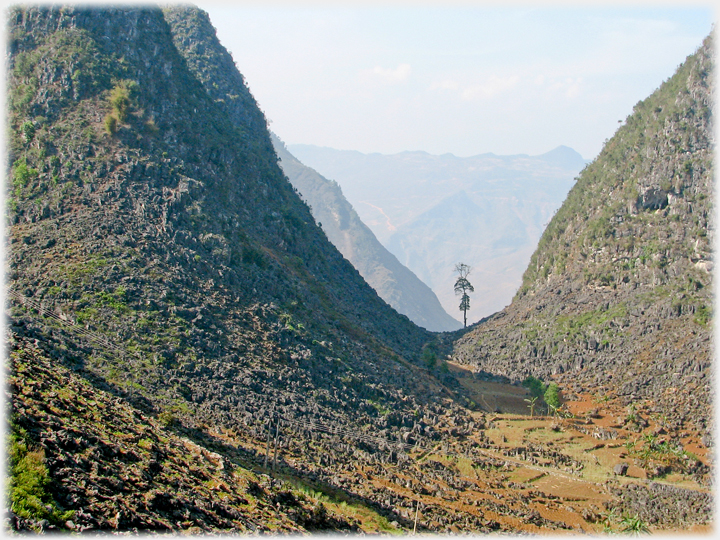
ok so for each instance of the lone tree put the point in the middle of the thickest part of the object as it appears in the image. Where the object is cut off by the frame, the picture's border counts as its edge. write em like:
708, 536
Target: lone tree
552, 398
463, 286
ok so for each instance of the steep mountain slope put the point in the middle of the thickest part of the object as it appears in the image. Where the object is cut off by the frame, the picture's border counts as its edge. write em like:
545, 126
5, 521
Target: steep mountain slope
156, 246
407, 201
214, 67
176, 212
617, 299
395, 284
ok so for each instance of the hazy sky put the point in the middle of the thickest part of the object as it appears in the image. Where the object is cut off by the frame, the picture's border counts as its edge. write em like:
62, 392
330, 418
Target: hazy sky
464, 79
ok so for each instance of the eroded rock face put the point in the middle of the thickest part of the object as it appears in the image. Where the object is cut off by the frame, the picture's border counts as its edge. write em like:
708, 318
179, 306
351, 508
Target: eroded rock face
175, 233
652, 199
617, 298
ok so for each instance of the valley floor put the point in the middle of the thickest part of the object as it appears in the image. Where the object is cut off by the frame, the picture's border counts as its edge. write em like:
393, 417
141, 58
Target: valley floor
593, 470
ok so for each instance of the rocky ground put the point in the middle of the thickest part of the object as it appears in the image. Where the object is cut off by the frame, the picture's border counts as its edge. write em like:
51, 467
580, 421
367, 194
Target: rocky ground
458, 470
173, 303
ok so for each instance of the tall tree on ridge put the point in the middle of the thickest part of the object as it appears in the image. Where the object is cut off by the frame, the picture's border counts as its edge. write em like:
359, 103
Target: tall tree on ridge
463, 286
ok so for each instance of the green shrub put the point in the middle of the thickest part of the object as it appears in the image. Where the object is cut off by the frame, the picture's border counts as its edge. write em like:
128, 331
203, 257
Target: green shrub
429, 358
703, 314
120, 101
29, 483
535, 386
552, 397
111, 124
22, 174
28, 130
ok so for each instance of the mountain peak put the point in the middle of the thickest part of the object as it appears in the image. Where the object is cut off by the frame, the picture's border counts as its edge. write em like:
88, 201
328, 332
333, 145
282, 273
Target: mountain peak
564, 156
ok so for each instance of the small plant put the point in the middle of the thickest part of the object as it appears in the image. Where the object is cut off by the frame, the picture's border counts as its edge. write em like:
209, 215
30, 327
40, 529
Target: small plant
166, 419
120, 98
428, 357
608, 520
152, 128
552, 397
601, 398
531, 404
22, 174
28, 130
703, 314
633, 525
146, 444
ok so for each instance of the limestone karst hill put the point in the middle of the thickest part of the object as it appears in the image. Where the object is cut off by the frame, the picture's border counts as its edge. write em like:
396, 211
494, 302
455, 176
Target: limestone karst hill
155, 243
141, 210
189, 353
617, 299
395, 283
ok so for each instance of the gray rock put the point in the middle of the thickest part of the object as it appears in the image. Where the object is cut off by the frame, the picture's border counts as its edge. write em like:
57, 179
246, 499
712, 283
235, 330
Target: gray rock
621, 469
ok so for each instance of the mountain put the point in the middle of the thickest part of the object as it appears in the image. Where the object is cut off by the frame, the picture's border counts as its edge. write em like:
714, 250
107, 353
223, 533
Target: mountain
157, 249
395, 284
407, 201
188, 353
617, 299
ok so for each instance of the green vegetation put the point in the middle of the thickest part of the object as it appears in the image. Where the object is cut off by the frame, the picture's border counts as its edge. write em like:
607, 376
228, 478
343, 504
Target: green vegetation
531, 404
28, 130
535, 386
617, 177
121, 99
633, 525
552, 397
549, 394
111, 124
29, 482
429, 356
22, 174
703, 315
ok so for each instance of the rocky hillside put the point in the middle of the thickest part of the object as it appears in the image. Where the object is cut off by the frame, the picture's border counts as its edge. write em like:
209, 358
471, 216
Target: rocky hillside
210, 63
433, 212
156, 246
143, 211
110, 467
617, 299
395, 284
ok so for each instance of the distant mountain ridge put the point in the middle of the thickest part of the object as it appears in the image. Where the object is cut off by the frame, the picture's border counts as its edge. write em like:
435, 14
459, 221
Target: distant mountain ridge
397, 285
401, 197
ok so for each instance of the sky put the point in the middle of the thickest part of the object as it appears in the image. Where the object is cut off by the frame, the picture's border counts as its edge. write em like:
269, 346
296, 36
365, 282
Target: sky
464, 79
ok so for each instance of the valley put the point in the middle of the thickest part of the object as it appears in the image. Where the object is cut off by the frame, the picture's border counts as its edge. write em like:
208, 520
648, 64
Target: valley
433, 211
188, 352
475, 470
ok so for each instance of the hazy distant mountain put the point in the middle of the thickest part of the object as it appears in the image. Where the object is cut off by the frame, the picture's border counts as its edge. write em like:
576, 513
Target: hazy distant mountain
395, 284
432, 212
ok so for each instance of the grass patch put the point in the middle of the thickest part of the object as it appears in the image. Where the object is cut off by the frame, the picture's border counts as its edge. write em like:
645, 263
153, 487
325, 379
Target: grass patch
30, 497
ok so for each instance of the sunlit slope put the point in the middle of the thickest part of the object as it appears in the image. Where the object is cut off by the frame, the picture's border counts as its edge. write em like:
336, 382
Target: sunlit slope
617, 299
